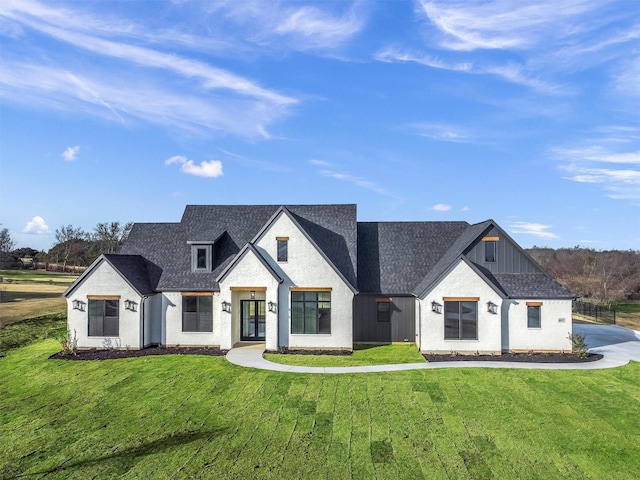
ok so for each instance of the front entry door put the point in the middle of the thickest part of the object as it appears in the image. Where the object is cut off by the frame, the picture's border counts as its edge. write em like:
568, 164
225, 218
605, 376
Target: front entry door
252, 314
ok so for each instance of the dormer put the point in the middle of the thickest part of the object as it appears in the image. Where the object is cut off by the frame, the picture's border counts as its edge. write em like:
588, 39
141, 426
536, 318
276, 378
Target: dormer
201, 256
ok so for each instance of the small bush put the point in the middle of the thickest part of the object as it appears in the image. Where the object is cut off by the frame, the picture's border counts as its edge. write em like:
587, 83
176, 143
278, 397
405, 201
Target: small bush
69, 344
578, 344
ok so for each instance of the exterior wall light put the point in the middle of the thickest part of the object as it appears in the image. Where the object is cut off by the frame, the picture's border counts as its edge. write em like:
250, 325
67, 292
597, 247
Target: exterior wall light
273, 307
78, 305
226, 307
492, 307
436, 307
130, 305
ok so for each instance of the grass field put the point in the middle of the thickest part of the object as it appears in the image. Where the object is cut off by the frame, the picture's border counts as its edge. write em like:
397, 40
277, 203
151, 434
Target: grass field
363, 354
201, 417
29, 293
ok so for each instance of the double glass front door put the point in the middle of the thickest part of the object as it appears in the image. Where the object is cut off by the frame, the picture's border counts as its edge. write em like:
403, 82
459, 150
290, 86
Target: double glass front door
252, 314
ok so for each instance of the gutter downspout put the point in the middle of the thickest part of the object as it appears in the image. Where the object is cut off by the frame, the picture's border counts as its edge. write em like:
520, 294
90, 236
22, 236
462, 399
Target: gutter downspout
144, 301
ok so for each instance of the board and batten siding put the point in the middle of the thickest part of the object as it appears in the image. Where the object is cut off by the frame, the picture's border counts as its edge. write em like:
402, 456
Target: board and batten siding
509, 257
366, 327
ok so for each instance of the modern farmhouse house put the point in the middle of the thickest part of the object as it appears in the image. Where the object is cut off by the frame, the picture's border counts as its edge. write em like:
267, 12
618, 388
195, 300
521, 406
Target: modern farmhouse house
313, 277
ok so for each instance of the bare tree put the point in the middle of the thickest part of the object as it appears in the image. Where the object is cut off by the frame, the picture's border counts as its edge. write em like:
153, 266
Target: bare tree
67, 238
110, 235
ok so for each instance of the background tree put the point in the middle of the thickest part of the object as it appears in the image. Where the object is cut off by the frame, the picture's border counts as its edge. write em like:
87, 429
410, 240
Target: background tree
109, 236
6, 242
69, 241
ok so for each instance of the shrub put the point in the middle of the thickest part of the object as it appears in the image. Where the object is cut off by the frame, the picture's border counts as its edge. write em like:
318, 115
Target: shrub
69, 344
578, 344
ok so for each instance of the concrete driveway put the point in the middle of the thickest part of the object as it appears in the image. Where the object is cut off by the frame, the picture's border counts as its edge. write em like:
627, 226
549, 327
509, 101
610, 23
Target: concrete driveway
611, 341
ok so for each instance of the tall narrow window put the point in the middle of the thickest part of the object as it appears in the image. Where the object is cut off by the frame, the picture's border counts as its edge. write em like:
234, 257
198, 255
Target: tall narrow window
490, 251
533, 316
384, 311
460, 320
283, 249
310, 312
104, 318
201, 258
197, 313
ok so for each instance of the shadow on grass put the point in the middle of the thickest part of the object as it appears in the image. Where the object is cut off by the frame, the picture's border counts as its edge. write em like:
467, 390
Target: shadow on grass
122, 461
368, 346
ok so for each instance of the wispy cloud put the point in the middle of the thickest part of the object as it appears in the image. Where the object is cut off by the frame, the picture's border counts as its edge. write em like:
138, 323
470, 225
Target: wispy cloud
536, 229
71, 153
441, 131
501, 24
219, 92
36, 226
211, 168
355, 180
320, 163
613, 164
441, 207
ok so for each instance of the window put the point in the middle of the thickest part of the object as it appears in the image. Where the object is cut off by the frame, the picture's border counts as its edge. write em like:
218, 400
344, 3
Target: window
461, 320
490, 251
104, 317
197, 313
283, 249
533, 316
384, 311
310, 312
201, 258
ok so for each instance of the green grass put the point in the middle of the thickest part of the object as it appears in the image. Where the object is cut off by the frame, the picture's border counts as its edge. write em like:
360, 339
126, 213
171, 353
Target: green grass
201, 417
32, 330
629, 307
363, 354
37, 276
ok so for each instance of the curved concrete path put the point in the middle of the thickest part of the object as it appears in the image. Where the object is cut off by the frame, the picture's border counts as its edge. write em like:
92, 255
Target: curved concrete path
617, 344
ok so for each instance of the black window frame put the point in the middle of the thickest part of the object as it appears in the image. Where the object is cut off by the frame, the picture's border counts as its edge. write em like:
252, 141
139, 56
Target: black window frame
283, 249
383, 315
311, 312
490, 251
195, 258
536, 318
455, 321
200, 318
103, 325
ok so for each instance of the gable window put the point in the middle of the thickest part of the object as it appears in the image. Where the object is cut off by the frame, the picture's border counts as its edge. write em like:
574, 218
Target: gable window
534, 316
490, 251
383, 308
461, 319
283, 249
201, 258
197, 313
104, 317
311, 311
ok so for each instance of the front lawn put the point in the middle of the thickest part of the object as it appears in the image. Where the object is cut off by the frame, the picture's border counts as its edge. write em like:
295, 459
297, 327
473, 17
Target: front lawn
201, 417
363, 354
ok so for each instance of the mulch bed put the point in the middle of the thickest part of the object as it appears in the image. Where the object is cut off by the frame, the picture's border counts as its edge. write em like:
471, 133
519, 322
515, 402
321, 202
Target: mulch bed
113, 354
516, 357
286, 351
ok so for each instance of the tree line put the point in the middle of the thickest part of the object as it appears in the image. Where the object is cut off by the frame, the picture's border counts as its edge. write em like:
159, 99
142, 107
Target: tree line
607, 276
74, 246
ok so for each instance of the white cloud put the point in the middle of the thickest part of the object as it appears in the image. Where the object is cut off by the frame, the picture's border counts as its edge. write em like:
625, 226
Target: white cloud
441, 207
320, 163
502, 24
211, 168
71, 153
36, 226
465, 209
537, 229
358, 181
443, 132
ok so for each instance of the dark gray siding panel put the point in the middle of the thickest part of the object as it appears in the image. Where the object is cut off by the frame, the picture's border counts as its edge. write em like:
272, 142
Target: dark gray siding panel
509, 257
366, 327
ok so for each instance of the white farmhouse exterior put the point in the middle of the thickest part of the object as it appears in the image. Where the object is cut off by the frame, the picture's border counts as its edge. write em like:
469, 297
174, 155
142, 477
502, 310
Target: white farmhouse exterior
313, 277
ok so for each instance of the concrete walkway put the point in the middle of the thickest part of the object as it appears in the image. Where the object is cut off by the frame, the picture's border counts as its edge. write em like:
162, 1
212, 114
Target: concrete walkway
617, 344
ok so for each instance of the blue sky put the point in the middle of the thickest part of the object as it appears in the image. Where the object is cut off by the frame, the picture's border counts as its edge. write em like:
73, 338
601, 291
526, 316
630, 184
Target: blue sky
524, 112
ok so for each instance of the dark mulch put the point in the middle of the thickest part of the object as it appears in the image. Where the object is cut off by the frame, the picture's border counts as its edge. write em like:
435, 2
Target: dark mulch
343, 353
113, 354
516, 357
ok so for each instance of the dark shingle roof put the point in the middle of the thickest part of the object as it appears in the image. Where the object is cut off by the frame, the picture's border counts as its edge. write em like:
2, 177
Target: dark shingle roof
134, 269
332, 227
394, 257
531, 285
